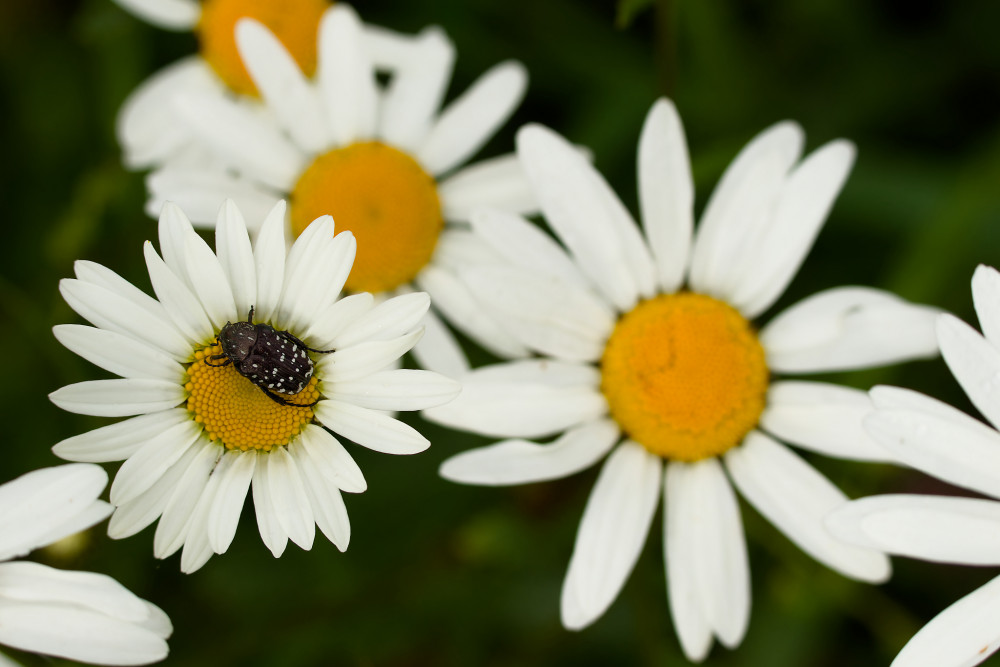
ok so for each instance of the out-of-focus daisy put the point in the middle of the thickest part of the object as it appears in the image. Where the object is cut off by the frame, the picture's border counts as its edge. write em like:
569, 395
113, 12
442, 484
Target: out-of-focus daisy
147, 127
944, 442
384, 161
201, 432
648, 352
77, 615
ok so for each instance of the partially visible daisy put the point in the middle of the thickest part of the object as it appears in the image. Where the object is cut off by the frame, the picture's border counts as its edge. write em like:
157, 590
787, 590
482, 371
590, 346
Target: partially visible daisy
382, 160
147, 127
648, 353
944, 442
81, 616
201, 432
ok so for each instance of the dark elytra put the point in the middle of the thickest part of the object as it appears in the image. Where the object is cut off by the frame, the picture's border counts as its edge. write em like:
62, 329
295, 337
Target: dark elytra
274, 360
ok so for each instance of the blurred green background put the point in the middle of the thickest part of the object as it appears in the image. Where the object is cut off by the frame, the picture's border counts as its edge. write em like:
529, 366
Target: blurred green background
441, 574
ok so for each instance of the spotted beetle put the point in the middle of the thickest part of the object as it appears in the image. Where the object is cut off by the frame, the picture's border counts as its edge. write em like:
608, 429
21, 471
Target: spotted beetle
274, 360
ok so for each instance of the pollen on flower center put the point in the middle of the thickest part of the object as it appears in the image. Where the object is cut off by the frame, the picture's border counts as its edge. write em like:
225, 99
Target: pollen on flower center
684, 376
294, 22
236, 412
385, 198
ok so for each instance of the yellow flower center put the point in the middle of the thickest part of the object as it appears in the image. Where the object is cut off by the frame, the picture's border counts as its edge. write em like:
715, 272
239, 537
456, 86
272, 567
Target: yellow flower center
684, 376
294, 22
385, 198
237, 412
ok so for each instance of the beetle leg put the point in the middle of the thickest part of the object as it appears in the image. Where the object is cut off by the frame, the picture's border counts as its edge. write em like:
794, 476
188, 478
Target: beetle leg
215, 357
298, 342
284, 401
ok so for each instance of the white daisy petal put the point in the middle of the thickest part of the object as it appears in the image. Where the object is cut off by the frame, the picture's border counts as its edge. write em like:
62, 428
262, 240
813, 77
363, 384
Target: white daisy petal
390, 319
954, 447
666, 193
318, 450
886, 398
824, 418
200, 192
549, 372
234, 472
525, 245
326, 501
36, 501
311, 290
118, 441
986, 296
522, 462
172, 529
118, 353
453, 298
345, 76
556, 318
303, 286
370, 428
209, 280
498, 183
183, 306
611, 534
148, 464
962, 635
684, 594
847, 328
795, 497
288, 495
167, 14
361, 360
242, 138
118, 398
400, 389
283, 87
486, 408
172, 228
271, 531
974, 362
269, 257
108, 310
416, 90
469, 121
102, 276
799, 213
235, 253
739, 208
197, 551
706, 507
144, 125
34, 582
438, 350
76, 633
934, 528
587, 216
131, 517
335, 318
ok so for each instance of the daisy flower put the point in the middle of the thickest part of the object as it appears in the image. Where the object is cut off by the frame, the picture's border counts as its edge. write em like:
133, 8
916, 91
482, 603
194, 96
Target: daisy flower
648, 353
946, 443
382, 160
147, 127
81, 616
206, 422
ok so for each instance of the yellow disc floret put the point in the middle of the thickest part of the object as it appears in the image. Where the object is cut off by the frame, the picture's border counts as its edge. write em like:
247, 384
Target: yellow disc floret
385, 198
237, 413
684, 376
294, 22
